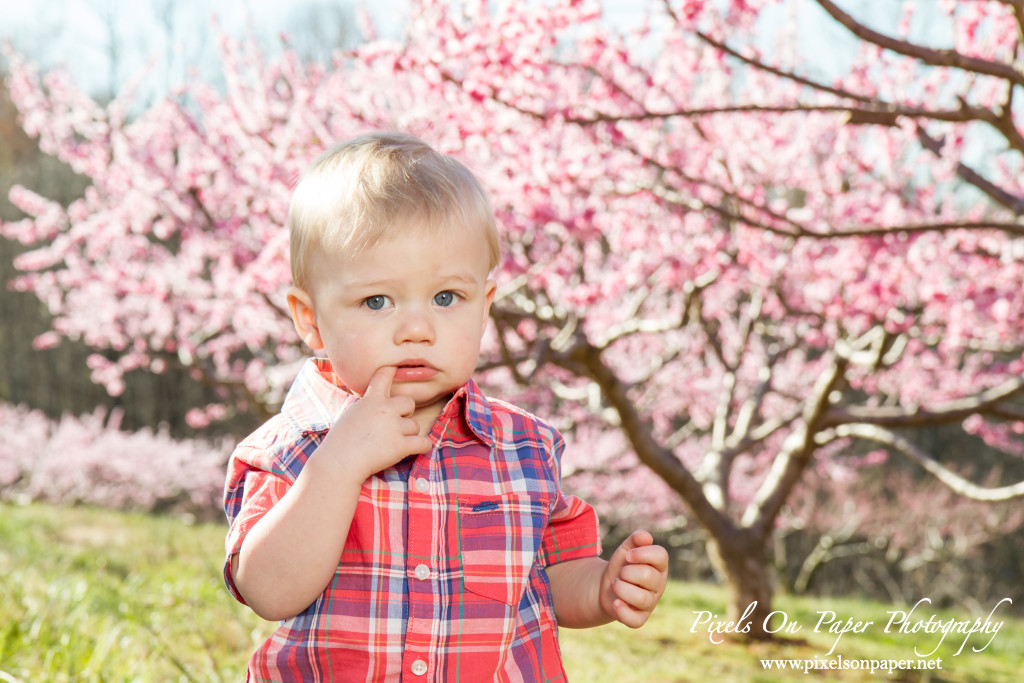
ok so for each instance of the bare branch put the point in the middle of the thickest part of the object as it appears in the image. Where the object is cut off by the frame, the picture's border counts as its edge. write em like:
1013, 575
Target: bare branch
1001, 120
1007, 412
676, 198
677, 437
710, 328
879, 112
795, 229
989, 401
702, 112
505, 321
832, 545
640, 434
633, 326
930, 56
762, 432
916, 228
211, 222
955, 482
280, 310
1011, 201
722, 410
723, 441
742, 432
788, 467
782, 73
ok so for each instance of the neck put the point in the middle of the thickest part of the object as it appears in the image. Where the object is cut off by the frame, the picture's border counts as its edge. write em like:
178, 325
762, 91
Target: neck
425, 416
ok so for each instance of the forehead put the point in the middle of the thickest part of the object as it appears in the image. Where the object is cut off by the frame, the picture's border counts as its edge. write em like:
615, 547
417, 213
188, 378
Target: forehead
415, 250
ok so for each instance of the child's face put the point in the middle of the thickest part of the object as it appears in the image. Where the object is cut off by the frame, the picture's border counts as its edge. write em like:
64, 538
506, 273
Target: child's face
417, 301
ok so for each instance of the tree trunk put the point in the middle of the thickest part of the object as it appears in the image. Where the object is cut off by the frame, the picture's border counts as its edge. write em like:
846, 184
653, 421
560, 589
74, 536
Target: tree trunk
743, 559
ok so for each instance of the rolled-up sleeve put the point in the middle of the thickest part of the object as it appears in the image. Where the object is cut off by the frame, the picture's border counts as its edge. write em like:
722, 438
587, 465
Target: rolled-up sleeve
249, 494
573, 531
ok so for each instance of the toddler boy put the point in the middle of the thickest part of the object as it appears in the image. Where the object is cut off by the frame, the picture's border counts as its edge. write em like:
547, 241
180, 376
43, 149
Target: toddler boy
399, 523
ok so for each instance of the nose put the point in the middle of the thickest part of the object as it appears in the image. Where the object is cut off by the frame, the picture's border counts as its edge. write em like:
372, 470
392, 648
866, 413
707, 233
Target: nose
415, 326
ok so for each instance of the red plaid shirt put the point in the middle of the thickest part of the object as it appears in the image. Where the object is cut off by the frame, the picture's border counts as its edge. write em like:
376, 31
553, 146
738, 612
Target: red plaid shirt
442, 575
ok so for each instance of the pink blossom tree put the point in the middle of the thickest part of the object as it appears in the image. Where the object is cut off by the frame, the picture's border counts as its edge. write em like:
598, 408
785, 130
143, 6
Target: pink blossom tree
721, 263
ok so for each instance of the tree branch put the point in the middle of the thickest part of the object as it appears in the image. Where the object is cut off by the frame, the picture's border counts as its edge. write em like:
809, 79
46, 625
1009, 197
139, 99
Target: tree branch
916, 228
505, 320
955, 482
741, 433
930, 56
989, 401
833, 544
640, 434
789, 465
881, 113
782, 73
1011, 201
795, 229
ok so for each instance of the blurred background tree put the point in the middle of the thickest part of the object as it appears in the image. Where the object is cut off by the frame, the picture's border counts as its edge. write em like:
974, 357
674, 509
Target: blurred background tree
787, 292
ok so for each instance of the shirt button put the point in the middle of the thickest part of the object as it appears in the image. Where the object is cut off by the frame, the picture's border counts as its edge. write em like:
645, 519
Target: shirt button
419, 667
422, 485
422, 572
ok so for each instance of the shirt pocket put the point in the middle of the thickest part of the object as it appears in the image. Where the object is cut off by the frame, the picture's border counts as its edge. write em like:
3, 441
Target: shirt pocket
499, 537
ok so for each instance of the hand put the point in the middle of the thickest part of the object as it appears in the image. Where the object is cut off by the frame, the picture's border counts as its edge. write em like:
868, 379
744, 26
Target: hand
378, 430
634, 579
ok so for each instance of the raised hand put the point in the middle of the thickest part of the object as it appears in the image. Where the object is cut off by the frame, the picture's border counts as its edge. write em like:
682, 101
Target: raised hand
378, 430
292, 552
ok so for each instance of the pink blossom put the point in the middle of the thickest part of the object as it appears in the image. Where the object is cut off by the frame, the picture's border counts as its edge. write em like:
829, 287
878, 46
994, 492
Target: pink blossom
686, 237
88, 460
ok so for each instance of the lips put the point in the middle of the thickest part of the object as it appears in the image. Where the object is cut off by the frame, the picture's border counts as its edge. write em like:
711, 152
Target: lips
414, 370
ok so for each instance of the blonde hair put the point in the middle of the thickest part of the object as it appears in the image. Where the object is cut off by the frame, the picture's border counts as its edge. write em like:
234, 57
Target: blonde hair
357, 192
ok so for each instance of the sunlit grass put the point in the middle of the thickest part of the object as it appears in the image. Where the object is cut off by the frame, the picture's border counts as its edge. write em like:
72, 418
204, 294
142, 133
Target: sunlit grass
93, 595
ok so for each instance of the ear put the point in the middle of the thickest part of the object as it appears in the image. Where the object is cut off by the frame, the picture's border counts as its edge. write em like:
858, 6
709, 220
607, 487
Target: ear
304, 317
490, 287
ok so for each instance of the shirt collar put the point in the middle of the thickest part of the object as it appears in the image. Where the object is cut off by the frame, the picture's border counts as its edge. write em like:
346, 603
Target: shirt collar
476, 409
318, 396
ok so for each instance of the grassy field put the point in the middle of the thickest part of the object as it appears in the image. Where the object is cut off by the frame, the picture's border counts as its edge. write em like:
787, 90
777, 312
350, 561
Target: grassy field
93, 595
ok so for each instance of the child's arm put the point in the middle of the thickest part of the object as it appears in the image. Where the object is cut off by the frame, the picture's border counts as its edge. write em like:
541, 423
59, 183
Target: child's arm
591, 591
292, 553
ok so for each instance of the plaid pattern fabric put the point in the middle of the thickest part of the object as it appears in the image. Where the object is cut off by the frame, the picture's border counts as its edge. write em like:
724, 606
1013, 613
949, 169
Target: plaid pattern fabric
442, 576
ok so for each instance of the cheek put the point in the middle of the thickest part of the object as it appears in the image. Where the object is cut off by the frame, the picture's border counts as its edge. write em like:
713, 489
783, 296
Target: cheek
468, 346
353, 357
352, 338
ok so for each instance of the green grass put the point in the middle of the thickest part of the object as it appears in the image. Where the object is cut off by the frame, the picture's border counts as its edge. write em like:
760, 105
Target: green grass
93, 595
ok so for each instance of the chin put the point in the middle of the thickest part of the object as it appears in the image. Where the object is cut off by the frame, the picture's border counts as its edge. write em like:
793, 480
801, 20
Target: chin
426, 398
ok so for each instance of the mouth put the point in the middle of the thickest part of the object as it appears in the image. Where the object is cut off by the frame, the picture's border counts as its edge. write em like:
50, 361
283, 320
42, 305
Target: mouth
414, 370
414, 363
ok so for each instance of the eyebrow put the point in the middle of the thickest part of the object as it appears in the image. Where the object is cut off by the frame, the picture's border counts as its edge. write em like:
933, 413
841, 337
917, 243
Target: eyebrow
462, 278
459, 277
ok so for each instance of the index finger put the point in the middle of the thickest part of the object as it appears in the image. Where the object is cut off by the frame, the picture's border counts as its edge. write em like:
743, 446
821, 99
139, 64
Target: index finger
380, 382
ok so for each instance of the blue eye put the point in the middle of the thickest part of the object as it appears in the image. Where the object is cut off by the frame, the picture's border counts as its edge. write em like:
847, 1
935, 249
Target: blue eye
445, 298
376, 303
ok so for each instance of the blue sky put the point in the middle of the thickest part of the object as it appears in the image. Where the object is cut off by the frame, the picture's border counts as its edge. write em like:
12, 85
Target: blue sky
76, 34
